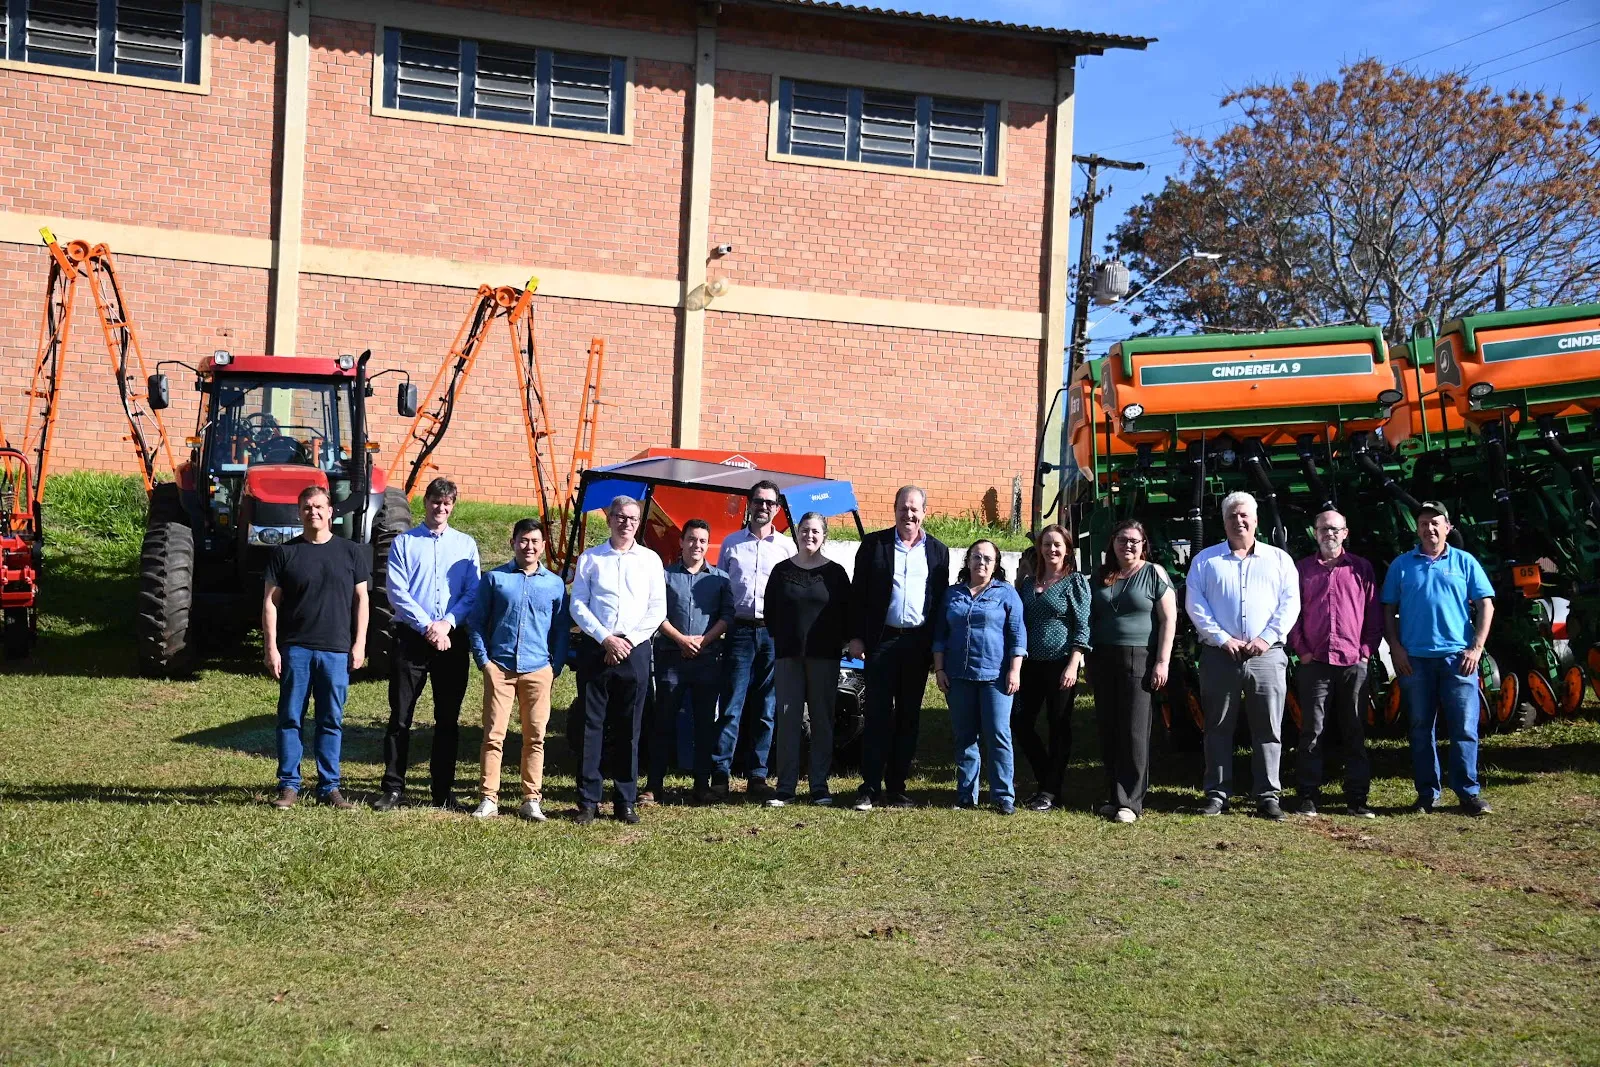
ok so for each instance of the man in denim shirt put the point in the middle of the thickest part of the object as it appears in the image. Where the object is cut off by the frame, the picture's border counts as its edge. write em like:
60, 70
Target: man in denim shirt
690, 663
519, 639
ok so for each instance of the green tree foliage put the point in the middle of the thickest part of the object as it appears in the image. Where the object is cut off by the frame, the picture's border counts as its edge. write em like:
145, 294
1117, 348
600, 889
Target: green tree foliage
1382, 198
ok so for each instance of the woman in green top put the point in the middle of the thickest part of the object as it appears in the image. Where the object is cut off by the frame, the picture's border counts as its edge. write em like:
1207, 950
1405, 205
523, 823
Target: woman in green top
1055, 608
1132, 617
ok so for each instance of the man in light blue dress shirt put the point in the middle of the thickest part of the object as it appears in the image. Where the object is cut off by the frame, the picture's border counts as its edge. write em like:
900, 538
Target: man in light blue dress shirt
433, 581
1243, 597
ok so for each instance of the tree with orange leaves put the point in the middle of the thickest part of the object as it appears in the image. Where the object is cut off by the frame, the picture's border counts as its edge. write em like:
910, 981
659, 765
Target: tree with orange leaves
1381, 198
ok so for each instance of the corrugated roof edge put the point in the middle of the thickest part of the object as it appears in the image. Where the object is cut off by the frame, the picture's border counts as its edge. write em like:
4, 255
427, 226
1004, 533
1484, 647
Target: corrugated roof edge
1089, 43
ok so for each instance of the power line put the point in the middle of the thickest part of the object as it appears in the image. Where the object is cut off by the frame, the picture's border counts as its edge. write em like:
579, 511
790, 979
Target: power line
1541, 59
1480, 33
1536, 44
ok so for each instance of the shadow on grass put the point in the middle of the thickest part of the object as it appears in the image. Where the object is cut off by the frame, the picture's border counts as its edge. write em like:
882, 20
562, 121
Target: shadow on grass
95, 793
257, 735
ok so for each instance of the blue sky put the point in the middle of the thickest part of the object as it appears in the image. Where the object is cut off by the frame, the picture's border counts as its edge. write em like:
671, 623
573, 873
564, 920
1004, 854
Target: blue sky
1130, 102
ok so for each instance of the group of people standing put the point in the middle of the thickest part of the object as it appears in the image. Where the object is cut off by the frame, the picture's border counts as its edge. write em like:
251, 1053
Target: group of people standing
750, 649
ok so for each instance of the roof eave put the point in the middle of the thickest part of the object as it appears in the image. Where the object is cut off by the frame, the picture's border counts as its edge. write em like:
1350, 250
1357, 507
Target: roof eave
1081, 43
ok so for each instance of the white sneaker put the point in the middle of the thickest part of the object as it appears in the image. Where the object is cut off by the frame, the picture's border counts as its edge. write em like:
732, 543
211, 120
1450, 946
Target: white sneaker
531, 811
1125, 815
776, 802
486, 809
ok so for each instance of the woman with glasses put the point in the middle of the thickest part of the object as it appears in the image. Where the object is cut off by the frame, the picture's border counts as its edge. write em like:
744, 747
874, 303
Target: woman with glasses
979, 643
807, 598
1133, 615
1055, 609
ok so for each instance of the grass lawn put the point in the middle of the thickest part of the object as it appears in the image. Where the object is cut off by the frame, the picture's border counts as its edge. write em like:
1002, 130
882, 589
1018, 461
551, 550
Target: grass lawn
154, 910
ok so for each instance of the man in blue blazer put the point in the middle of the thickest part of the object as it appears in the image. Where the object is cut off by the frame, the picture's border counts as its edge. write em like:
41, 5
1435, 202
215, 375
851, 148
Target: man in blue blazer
898, 589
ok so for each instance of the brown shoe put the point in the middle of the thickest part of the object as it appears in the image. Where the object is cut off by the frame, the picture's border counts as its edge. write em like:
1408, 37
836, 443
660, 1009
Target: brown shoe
286, 798
335, 799
647, 798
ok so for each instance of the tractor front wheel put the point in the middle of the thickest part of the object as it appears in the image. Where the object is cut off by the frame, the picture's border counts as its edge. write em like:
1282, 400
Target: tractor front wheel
166, 599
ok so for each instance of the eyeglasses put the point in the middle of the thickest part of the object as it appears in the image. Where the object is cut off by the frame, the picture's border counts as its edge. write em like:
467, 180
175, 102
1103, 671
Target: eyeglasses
1331, 529
763, 502
1130, 542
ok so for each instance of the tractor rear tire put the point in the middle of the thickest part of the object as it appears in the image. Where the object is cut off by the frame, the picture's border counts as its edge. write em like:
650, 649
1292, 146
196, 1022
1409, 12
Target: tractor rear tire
19, 631
391, 521
166, 599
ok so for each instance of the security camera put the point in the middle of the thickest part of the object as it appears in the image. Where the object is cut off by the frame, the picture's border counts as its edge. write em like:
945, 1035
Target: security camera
722, 250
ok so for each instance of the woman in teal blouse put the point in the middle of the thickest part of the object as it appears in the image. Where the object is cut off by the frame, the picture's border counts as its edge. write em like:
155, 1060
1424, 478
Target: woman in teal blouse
1133, 614
1055, 608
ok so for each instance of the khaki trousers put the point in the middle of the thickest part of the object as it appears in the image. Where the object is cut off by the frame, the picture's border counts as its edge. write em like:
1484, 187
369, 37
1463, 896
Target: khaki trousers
531, 691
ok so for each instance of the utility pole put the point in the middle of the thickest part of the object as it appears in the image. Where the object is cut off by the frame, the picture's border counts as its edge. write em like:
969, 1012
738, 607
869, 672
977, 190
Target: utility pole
1500, 284
1080, 314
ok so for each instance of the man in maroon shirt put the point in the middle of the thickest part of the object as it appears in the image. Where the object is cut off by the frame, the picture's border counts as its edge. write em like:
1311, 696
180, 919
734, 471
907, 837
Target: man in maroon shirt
1338, 630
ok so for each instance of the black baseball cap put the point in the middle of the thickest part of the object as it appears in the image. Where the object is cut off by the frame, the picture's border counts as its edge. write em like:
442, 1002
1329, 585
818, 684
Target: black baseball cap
1435, 507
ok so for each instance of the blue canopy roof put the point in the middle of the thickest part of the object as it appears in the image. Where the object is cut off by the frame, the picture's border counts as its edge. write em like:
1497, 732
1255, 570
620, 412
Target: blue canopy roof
801, 492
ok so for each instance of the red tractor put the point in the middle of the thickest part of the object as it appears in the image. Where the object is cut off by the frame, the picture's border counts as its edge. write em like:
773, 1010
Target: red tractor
268, 427
21, 552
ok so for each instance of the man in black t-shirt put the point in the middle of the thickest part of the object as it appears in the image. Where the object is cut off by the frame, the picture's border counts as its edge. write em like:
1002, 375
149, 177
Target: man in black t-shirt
314, 629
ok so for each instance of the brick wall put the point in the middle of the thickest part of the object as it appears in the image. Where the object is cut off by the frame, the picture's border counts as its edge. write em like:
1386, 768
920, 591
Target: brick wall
898, 237
430, 188
485, 452
886, 406
136, 155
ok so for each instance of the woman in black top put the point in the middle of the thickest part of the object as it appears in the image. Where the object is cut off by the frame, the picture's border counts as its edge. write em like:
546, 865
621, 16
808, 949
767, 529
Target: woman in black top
806, 600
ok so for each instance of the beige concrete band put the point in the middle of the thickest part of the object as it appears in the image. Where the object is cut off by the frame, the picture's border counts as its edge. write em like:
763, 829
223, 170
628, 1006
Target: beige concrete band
22, 228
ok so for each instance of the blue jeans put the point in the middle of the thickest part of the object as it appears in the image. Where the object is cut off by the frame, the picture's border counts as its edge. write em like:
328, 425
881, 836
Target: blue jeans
698, 683
325, 677
981, 710
753, 660
1435, 684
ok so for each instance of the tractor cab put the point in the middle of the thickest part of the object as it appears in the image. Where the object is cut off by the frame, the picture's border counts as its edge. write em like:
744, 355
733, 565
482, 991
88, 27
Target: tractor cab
268, 428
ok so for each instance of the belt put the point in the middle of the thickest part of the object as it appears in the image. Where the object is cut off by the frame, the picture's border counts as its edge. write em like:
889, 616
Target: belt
905, 629
756, 623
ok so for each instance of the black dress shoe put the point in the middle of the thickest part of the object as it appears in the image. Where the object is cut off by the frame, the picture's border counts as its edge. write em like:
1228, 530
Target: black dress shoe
899, 800
584, 815
1214, 806
627, 813
388, 801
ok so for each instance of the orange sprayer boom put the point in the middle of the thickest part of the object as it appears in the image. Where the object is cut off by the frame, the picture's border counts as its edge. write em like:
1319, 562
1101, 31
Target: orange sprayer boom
432, 422
80, 261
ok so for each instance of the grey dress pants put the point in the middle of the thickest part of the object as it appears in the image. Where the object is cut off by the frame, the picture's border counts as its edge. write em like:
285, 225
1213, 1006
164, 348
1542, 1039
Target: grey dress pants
1264, 684
804, 682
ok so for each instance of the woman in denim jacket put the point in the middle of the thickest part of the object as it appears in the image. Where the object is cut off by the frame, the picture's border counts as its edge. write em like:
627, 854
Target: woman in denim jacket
979, 643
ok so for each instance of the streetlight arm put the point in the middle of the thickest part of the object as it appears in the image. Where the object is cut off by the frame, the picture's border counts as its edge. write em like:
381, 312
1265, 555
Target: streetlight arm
1148, 284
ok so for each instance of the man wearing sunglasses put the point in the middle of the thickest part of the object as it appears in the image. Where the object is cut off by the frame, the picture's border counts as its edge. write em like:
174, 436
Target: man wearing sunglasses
748, 557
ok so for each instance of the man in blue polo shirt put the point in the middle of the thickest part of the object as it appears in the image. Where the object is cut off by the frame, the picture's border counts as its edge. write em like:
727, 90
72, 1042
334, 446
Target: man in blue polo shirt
1432, 594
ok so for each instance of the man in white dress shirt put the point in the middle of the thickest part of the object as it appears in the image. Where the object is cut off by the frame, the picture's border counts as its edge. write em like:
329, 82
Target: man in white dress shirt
619, 599
748, 555
1243, 596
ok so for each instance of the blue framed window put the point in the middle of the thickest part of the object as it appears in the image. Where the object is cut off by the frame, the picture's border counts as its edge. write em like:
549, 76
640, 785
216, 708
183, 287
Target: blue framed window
474, 79
915, 131
144, 38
